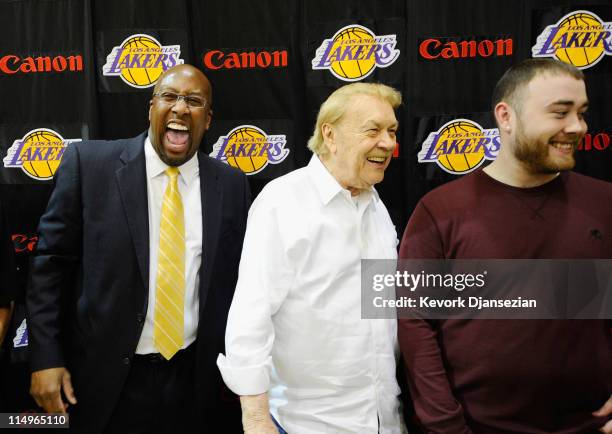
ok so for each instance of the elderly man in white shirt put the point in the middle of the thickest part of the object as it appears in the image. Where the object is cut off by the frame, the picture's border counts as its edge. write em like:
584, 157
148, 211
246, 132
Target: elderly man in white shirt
297, 351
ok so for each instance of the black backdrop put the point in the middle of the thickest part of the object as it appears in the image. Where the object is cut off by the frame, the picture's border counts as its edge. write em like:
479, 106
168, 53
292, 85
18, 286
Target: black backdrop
54, 54
277, 100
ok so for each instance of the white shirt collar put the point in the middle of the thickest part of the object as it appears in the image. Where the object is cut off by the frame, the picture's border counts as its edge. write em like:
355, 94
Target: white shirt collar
328, 187
189, 170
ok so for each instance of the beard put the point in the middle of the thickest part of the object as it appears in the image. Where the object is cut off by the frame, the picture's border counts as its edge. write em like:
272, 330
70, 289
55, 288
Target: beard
534, 153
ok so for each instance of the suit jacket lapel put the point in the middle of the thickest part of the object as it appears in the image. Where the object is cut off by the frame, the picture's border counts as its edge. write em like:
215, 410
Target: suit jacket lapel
132, 183
212, 197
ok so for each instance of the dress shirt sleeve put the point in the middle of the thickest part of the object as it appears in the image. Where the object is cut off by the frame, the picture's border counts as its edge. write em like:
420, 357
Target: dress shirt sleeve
53, 266
435, 406
264, 279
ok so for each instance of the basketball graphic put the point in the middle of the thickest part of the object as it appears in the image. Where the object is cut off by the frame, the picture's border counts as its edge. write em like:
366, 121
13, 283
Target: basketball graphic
141, 76
353, 69
254, 161
38, 153
46, 139
579, 56
354, 52
250, 149
460, 146
140, 60
580, 38
460, 162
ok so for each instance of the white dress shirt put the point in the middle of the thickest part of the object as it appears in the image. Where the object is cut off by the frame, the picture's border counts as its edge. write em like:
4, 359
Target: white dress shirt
295, 328
189, 187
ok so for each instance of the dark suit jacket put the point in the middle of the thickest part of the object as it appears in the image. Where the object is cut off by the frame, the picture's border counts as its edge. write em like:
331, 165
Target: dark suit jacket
89, 281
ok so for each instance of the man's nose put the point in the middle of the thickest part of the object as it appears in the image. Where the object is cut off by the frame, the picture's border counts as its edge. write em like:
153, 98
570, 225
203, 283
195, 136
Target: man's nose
388, 141
180, 106
576, 125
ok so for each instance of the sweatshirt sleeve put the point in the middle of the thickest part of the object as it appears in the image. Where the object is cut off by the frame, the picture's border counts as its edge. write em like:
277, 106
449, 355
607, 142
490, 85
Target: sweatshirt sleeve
436, 408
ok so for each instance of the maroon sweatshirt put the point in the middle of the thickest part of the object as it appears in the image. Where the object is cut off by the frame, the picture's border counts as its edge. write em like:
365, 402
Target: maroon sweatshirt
510, 376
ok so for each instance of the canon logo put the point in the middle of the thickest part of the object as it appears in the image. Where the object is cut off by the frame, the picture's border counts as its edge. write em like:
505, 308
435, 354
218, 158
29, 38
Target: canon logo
453, 48
24, 242
597, 142
12, 64
217, 59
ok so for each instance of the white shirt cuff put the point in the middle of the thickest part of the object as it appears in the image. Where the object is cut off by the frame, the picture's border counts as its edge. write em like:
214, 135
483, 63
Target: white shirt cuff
245, 380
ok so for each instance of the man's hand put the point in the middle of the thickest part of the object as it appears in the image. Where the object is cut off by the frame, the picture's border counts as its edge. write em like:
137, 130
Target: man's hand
605, 410
256, 417
46, 388
265, 427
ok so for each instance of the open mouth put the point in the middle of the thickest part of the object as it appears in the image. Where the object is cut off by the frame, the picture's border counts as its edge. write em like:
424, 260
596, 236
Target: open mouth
563, 147
177, 136
377, 160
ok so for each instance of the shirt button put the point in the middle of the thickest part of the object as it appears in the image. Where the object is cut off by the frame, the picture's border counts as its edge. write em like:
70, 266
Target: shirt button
126, 360
140, 318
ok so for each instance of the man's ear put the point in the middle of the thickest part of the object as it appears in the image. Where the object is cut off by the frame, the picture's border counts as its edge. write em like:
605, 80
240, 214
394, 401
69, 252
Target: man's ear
504, 115
328, 132
209, 120
150, 108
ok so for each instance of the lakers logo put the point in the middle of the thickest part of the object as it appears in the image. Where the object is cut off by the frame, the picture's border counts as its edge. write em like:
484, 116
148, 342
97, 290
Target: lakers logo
21, 335
460, 146
354, 52
580, 38
250, 149
140, 60
38, 153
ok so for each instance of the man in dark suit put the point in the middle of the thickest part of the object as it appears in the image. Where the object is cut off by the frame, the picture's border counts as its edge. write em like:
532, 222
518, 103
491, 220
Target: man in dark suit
128, 296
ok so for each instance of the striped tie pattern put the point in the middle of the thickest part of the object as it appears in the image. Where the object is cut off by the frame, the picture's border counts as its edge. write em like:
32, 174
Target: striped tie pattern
170, 282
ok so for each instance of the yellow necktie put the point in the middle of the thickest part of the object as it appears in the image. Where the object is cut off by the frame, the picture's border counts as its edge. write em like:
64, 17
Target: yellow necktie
170, 286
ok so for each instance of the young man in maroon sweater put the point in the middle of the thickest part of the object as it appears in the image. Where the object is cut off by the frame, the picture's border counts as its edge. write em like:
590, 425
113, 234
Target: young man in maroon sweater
516, 376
